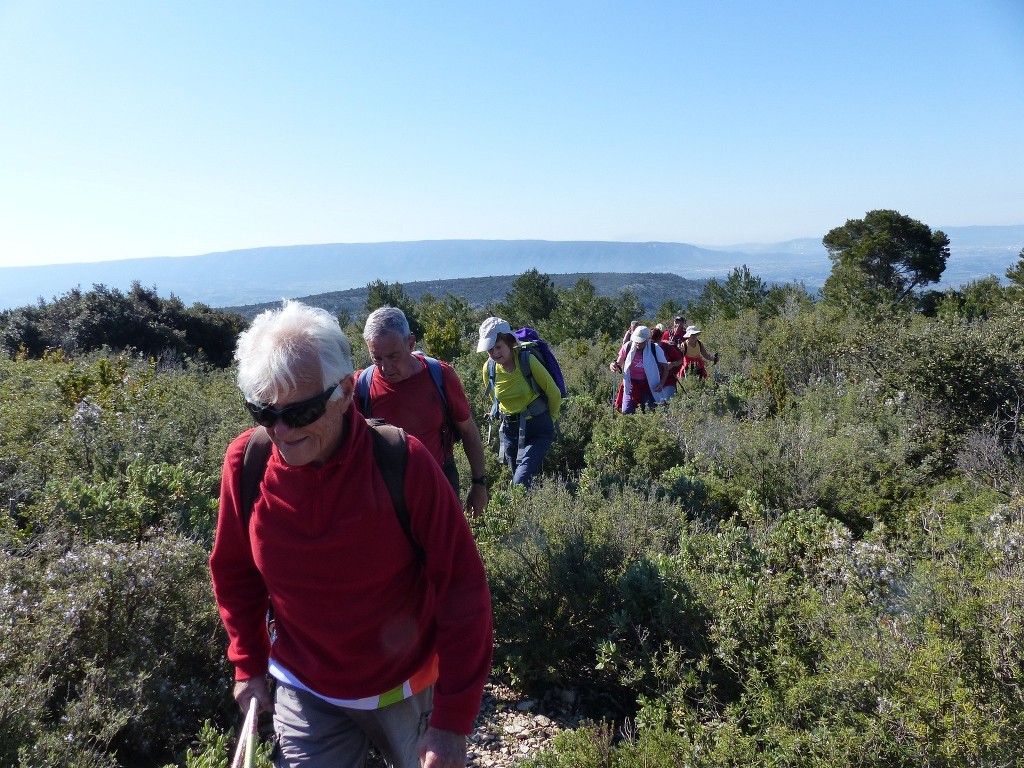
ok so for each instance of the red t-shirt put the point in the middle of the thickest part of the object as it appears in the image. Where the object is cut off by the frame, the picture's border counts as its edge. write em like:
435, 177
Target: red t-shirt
673, 355
415, 405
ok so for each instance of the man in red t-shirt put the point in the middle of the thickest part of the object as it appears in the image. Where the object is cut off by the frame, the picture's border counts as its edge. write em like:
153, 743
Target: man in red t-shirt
402, 391
677, 331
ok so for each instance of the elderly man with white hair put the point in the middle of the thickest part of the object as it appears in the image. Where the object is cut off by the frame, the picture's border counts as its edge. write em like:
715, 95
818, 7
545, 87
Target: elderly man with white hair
382, 619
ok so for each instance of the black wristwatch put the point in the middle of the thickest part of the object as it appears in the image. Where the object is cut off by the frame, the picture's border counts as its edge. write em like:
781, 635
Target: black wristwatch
482, 480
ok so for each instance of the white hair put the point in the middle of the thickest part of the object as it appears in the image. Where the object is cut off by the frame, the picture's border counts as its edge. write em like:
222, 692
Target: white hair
286, 346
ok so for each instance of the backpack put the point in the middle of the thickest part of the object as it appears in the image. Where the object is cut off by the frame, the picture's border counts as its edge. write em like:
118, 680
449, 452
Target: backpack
449, 432
389, 453
530, 343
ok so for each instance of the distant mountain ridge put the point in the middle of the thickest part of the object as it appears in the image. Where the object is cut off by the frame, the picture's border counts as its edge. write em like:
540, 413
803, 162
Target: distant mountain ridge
653, 290
254, 275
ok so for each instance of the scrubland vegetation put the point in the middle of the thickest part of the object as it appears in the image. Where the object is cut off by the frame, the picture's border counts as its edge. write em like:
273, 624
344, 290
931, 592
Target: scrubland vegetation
815, 558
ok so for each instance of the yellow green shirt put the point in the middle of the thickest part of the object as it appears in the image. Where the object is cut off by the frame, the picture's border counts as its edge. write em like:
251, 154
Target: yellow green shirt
514, 392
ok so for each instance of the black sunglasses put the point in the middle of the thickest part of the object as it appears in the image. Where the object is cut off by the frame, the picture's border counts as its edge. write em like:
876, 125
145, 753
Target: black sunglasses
296, 415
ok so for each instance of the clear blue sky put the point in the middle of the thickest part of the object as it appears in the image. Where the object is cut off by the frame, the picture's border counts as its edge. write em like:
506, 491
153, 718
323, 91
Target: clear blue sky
135, 128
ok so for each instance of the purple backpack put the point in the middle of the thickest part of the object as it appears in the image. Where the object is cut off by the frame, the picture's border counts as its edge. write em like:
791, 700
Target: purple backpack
532, 341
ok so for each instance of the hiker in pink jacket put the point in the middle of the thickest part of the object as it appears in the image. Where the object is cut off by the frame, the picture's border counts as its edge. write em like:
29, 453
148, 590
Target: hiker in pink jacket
644, 369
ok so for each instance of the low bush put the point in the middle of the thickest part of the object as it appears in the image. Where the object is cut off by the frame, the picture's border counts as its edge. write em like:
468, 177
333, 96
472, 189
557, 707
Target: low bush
109, 649
564, 569
635, 449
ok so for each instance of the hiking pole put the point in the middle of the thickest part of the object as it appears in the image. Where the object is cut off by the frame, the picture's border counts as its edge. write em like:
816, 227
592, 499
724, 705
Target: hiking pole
616, 383
245, 754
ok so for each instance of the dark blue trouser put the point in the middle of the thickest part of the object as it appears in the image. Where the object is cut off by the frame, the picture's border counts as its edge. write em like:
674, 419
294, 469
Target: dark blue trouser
526, 463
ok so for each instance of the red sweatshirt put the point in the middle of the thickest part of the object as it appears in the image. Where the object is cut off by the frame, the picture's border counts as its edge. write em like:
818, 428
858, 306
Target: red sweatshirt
356, 613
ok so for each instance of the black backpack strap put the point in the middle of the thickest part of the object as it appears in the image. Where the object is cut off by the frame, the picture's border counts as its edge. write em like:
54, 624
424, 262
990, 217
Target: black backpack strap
449, 430
391, 456
254, 465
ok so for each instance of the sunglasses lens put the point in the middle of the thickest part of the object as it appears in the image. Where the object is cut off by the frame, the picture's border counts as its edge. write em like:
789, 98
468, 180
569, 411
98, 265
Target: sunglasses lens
303, 414
261, 414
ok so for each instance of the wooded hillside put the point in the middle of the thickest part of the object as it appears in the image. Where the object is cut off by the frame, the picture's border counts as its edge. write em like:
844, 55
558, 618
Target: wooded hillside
652, 289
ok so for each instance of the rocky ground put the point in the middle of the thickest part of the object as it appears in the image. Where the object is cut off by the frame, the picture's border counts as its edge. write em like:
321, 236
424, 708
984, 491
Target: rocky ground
510, 727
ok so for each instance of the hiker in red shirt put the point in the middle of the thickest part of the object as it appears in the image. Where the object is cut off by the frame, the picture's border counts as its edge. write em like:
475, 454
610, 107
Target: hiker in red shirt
400, 388
675, 334
382, 623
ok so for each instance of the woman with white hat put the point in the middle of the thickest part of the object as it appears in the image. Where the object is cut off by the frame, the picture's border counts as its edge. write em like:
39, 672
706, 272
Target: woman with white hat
527, 400
694, 352
644, 368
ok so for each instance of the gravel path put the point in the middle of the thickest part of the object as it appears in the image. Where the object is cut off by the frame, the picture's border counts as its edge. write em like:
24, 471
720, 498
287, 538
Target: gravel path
511, 727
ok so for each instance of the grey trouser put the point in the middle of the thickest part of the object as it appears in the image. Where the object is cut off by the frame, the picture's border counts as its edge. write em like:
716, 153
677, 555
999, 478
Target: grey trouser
315, 734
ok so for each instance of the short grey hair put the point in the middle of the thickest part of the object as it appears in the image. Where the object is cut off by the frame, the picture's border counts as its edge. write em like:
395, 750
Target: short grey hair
289, 345
385, 320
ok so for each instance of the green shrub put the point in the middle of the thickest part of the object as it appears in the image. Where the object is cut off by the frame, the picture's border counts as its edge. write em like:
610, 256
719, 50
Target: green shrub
92, 418
633, 448
558, 564
145, 499
567, 457
590, 746
113, 648
214, 748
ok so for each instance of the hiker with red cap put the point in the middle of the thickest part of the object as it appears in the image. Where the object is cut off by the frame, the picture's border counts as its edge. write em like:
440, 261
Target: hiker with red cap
382, 613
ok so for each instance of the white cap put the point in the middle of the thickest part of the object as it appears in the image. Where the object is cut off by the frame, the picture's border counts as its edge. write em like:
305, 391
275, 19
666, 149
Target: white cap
641, 334
489, 330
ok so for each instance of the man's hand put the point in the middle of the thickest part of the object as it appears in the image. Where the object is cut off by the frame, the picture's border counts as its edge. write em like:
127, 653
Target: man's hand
253, 688
476, 500
442, 749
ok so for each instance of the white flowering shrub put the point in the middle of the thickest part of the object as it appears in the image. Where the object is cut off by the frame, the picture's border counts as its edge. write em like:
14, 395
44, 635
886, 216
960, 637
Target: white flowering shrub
110, 648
